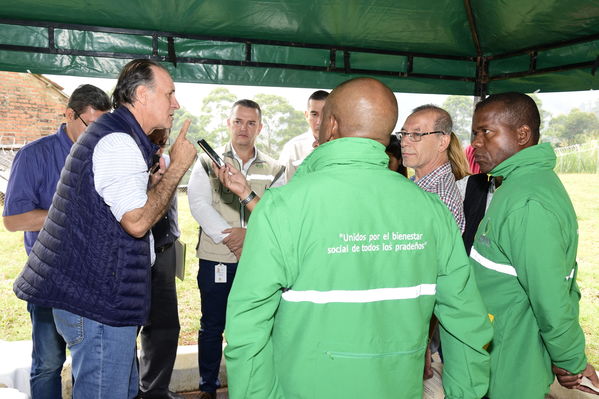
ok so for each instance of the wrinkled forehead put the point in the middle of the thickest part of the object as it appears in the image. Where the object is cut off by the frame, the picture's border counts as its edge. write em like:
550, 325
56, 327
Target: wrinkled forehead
421, 121
241, 112
495, 112
163, 79
316, 105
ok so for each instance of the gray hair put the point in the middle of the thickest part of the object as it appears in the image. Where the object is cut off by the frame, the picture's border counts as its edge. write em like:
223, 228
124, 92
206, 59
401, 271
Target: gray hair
443, 123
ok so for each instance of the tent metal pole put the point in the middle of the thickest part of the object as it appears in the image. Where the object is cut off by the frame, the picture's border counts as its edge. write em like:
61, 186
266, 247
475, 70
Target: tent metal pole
482, 66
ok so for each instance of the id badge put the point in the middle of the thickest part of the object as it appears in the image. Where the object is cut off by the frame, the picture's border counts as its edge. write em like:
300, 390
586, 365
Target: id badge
220, 273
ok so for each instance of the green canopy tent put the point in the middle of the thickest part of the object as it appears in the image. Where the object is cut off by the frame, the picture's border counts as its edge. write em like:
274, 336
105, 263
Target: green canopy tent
474, 47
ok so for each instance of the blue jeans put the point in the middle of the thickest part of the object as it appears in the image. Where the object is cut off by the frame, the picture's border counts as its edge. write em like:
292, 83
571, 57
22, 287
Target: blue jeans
213, 297
104, 358
48, 355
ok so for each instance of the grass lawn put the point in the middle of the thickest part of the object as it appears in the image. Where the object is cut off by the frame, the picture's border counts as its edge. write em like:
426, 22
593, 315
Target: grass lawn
583, 189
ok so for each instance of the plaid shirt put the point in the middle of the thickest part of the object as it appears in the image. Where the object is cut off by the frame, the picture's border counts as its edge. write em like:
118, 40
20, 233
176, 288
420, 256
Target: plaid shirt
442, 182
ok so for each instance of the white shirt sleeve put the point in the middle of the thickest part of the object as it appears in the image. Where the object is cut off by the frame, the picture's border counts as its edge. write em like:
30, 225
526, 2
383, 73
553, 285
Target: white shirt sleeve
285, 153
120, 174
461, 185
199, 194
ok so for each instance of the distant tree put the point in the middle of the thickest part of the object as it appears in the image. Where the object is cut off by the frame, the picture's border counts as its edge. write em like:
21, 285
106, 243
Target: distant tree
460, 108
281, 122
574, 128
216, 108
544, 114
193, 133
594, 107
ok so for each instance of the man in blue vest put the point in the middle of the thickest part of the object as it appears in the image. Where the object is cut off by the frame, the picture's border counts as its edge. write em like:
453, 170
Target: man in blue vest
32, 183
91, 261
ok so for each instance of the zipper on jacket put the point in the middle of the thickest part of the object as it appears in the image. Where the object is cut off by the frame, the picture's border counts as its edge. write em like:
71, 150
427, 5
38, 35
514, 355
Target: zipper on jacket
352, 355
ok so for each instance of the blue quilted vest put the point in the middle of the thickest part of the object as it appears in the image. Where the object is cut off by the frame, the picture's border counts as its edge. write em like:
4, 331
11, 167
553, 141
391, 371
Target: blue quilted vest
83, 260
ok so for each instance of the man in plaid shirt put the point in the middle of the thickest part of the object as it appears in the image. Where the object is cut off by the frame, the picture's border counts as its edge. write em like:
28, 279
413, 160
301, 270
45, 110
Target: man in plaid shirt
426, 141
433, 151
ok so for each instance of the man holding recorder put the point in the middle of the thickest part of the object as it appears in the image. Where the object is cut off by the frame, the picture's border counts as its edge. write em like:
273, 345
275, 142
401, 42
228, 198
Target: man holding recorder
222, 217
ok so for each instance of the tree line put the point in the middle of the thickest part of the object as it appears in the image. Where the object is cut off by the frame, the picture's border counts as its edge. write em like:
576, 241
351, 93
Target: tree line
577, 127
282, 122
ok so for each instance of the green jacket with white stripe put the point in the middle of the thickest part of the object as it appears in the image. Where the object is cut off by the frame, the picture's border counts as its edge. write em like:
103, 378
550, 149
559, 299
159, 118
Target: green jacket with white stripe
341, 271
524, 257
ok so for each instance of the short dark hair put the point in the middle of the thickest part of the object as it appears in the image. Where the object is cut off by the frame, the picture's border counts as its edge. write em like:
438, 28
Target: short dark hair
248, 104
136, 73
519, 109
88, 96
443, 122
318, 95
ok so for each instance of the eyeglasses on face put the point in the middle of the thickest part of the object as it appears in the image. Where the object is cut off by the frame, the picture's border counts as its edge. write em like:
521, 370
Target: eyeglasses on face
414, 136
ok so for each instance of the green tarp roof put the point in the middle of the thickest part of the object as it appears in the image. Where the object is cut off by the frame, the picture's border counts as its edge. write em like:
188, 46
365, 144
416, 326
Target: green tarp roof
431, 46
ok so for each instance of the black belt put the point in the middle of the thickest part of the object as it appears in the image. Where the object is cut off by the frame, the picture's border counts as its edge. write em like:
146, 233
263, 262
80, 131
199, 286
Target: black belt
163, 248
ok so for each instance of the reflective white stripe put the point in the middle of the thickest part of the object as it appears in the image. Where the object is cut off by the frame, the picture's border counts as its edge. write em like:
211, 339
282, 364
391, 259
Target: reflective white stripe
260, 177
489, 264
360, 296
571, 275
297, 162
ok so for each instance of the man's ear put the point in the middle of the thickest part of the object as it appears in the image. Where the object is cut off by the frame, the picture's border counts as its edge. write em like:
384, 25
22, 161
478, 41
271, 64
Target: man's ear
141, 94
334, 128
70, 114
524, 136
325, 133
444, 141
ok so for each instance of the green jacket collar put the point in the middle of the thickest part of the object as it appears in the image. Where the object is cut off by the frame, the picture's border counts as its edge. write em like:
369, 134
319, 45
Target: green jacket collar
344, 151
540, 156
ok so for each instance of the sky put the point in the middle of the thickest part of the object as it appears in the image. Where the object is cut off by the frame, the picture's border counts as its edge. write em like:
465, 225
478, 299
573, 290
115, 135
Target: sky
190, 95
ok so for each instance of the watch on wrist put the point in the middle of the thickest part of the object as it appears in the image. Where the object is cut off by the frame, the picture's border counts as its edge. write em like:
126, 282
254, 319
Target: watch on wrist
248, 199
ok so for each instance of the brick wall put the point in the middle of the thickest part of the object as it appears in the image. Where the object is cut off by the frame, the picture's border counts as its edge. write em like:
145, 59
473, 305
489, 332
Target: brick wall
31, 106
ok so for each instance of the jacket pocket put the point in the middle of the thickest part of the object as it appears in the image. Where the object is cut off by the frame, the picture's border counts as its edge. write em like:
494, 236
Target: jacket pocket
69, 325
222, 194
377, 374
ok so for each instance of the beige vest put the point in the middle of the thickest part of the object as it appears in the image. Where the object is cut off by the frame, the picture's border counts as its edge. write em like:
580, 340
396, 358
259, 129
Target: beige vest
261, 174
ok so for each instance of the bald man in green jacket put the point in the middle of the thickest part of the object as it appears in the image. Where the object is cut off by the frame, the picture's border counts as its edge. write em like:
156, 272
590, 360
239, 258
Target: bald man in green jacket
337, 283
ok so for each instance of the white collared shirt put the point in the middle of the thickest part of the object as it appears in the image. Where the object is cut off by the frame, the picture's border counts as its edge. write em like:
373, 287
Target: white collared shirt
121, 176
199, 194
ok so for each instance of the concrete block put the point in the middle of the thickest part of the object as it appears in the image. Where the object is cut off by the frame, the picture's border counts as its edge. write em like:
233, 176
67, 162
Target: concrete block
15, 366
185, 378
186, 373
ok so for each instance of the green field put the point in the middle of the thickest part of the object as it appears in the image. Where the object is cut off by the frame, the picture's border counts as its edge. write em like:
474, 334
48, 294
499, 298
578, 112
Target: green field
583, 188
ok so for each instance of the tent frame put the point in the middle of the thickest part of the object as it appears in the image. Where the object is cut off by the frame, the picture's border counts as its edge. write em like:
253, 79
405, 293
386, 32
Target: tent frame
481, 80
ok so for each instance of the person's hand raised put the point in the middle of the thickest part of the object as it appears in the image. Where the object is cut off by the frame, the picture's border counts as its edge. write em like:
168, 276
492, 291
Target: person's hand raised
182, 152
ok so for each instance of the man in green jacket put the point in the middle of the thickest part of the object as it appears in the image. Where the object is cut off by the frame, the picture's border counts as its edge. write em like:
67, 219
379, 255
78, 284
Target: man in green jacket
524, 254
337, 284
